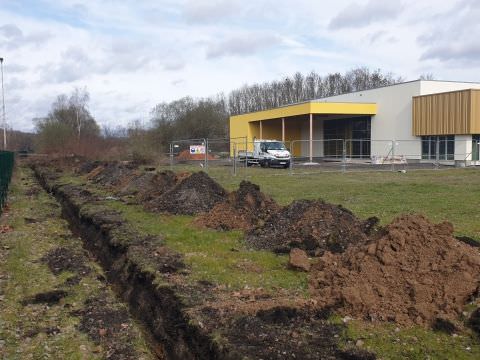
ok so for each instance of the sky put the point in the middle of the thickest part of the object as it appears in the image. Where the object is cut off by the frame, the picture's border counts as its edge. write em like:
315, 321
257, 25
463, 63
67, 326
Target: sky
131, 55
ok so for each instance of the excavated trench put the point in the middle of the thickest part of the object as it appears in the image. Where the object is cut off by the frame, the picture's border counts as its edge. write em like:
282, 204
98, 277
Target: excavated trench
158, 306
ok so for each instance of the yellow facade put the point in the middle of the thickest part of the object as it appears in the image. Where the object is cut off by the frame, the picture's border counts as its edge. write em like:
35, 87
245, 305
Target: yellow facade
248, 125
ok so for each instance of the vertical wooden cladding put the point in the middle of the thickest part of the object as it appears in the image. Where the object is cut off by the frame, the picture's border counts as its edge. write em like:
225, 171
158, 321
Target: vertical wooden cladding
456, 112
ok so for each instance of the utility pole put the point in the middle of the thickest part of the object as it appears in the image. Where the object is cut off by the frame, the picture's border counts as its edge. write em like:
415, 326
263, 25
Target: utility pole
3, 110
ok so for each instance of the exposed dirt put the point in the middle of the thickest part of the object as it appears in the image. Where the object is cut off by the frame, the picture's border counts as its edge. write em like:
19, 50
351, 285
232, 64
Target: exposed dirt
112, 174
244, 209
88, 166
413, 273
192, 195
151, 249
474, 321
50, 297
63, 259
314, 226
289, 333
108, 324
158, 184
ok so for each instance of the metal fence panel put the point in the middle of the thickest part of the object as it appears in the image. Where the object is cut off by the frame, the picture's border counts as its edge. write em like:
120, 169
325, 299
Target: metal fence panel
6, 169
330, 155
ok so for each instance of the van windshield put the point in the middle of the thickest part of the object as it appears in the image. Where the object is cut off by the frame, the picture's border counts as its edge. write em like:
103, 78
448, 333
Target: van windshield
275, 145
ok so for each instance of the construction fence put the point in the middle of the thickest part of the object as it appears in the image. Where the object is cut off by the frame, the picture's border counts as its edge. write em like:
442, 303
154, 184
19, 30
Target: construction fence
333, 155
7, 159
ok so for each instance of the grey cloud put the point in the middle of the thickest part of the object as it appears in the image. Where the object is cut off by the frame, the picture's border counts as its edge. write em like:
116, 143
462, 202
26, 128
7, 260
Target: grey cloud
462, 52
11, 31
177, 82
201, 11
356, 15
174, 65
74, 65
454, 39
14, 68
242, 46
12, 37
15, 84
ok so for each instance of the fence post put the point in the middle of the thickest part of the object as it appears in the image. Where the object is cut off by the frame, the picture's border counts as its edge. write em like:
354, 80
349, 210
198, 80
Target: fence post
205, 142
171, 155
234, 159
291, 157
344, 155
437, 153
393, 155
246, 155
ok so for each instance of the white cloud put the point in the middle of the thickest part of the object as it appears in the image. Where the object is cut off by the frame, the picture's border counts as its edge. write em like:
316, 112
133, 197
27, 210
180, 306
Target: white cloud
244, 45
358, 15
133, 54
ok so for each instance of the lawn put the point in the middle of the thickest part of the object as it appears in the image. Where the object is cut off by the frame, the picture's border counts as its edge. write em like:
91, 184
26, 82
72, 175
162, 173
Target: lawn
451, 194
223, 258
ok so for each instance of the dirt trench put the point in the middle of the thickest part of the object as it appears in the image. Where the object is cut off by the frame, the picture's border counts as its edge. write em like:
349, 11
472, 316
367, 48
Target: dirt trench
157, 306
176, 316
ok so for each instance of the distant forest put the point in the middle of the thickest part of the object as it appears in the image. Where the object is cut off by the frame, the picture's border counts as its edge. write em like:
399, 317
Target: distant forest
299, 87
69, 127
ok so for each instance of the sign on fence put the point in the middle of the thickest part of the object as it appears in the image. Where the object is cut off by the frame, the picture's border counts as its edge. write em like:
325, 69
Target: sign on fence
197, 149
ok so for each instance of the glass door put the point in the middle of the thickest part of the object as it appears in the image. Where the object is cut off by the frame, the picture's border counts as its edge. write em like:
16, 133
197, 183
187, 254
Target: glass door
475, 147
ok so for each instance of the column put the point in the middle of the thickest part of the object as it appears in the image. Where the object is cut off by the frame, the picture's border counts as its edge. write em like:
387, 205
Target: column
261, 130
311, 138
283, 130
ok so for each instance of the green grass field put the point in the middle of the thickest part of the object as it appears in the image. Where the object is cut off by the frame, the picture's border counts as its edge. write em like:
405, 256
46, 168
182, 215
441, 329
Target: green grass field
452, 194
441, 195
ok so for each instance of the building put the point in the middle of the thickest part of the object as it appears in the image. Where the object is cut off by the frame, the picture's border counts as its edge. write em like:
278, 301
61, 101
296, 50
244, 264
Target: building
420, 120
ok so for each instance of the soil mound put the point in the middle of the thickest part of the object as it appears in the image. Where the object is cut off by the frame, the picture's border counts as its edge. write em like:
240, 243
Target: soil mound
313, 226
88, 166
192, 195
112, 174
413, 273
137, 182
156, 185
244, 209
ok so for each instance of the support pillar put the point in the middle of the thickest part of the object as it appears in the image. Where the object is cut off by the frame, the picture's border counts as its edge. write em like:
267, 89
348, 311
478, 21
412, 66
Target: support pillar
283, 130
311, 139
261, 130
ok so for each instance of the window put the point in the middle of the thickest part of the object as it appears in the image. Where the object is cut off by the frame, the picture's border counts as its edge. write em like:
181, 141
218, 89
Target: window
445, 145
475, 147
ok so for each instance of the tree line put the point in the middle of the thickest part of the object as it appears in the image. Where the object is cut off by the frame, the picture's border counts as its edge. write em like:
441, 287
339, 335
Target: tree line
69, 127
299, 87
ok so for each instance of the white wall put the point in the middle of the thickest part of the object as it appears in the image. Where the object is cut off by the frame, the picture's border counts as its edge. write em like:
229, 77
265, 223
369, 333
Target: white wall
394, 117
394, 113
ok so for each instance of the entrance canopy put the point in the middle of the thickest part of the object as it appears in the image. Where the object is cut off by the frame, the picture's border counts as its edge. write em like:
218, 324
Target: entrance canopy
285, 122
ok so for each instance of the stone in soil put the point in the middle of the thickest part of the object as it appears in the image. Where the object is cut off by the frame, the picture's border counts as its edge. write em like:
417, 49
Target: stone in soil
298, 260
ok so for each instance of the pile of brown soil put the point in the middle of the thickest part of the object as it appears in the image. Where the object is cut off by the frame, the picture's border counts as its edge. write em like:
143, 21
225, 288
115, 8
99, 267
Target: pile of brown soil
244, 209
157, 185
313, 226
192, 195
112, 174
414, 273
139, 180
